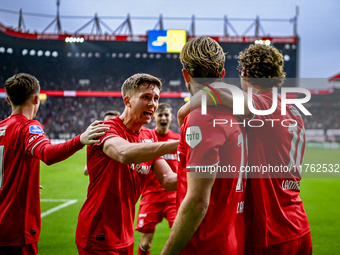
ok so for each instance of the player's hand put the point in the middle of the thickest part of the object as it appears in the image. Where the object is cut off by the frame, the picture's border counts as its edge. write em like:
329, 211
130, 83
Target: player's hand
40, 187
182, 113
96, 129
86, 172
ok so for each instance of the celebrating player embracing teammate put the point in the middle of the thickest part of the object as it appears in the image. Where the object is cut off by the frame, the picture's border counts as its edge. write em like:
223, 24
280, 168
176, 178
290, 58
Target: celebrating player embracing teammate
276, 222
118, 167
210, 215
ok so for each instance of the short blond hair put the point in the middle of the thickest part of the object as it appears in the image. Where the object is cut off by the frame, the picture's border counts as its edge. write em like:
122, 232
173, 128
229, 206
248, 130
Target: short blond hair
203, 57
132, 83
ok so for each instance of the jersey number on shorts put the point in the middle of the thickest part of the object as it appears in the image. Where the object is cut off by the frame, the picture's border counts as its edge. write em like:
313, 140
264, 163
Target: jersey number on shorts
296, 137
240, 143
2, 152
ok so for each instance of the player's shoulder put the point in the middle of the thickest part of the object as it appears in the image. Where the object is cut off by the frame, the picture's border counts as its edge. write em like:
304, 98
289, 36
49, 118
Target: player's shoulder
33, 126
147, 133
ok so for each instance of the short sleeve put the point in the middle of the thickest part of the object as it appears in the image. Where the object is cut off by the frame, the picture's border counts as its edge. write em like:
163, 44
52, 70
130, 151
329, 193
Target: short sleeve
115, 131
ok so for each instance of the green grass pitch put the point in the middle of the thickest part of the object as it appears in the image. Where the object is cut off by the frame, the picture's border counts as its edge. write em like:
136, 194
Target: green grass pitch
65, 181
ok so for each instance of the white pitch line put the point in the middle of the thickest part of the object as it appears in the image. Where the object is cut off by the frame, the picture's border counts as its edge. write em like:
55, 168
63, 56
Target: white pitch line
67, 203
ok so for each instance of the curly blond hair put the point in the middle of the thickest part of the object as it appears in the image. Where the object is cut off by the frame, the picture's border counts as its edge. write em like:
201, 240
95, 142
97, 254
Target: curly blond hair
203, 57
261, 61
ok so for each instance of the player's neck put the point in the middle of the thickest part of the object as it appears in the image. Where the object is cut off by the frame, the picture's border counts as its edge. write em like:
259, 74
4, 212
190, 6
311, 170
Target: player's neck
259, 89
130, 123
27, 111
162, 131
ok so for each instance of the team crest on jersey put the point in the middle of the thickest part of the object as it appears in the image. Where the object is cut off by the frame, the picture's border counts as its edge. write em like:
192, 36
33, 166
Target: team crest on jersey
193, 136
35, 129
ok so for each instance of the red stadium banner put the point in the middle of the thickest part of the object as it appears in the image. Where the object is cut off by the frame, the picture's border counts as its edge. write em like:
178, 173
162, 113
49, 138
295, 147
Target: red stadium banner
139, 38
79, 93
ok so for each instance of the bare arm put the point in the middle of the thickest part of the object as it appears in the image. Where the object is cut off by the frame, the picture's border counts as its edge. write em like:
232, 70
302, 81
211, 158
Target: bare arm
190, 214
128, 153
166, 177
223, 91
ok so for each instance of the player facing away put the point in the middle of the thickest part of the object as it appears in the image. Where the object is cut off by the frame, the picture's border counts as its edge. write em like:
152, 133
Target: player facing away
23, 144
110, 114
156, 202
210, 216
276, 222
118, 167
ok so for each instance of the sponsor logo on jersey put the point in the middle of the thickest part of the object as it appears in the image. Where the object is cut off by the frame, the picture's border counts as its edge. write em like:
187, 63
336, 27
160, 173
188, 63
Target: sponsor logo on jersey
3, 131
193, 136
290, 185
34, 137
35, 129
142, 169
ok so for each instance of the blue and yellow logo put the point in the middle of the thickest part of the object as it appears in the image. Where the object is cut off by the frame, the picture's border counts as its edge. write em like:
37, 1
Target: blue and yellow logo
166, 40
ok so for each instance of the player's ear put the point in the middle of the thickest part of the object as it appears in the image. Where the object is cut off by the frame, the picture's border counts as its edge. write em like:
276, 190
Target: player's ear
223, 73
186, 75
8, 101
35, 99
127, 100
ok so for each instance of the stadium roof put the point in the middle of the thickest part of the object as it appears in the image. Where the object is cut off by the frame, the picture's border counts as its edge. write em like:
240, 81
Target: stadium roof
99, 27
335, 78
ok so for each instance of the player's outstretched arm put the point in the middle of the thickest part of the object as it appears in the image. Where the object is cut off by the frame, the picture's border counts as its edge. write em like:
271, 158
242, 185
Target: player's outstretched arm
50, 154
166, 177
190, 213
125, 152
95, 130
224, 93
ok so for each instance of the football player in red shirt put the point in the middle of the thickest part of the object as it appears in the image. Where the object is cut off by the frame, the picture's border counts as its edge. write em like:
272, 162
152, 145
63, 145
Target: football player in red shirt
156, 202
23, 144
211, 200
276, 222
118, 167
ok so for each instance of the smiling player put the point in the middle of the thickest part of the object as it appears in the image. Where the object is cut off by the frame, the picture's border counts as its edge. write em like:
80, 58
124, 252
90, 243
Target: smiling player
117, 172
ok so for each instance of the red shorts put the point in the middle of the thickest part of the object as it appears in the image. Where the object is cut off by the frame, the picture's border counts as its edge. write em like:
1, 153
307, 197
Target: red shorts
123, 251
150, 215
301, 246
29, 249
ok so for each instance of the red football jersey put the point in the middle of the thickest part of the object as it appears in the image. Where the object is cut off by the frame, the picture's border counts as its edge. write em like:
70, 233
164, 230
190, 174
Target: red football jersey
22, 145
204, 145
273, 209
106, 218
153, 191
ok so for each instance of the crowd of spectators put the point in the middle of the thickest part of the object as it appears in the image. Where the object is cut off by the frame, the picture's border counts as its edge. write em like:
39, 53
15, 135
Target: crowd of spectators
65, 117
325, 115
